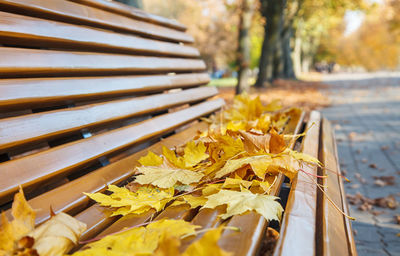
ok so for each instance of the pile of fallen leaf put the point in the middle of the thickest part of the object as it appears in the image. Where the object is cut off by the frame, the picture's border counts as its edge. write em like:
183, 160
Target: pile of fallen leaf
235, 163
366, 204
308, 95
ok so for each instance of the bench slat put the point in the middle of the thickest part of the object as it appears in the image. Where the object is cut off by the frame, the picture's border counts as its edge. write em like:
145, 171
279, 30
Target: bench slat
336, 238
36, 127
68, 157
252, 225
69, 197
297, 236
26, 62
129, 11
84, 15
29, 31
23, 93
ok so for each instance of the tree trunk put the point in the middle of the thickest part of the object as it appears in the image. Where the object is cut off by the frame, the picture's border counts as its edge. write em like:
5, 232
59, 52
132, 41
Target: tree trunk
243, 52
288, 70
271, 56
297, 53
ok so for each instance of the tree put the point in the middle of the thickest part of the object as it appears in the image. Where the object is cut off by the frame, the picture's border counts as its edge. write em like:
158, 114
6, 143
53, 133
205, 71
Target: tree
246, 9
270, 61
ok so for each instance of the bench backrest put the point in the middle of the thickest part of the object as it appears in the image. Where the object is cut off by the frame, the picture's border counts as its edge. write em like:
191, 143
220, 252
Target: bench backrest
83, 84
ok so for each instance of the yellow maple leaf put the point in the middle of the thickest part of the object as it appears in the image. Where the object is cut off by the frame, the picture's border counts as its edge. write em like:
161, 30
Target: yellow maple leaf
139, 240
166, 177
303, 157
238, 183
259, 164
127, 202
168, 245
207, 245
210, 189
243, 201
151, 159
193, 155
193, 201
277, 143
23, 223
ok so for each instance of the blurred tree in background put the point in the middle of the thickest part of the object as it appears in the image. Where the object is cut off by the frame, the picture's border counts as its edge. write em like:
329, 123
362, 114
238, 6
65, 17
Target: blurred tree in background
284, 38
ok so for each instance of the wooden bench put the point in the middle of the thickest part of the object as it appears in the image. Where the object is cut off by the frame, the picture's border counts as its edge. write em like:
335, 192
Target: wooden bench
87, 87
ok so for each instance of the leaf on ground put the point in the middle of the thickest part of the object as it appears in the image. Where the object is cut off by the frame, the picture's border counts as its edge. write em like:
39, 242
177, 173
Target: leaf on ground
166, 177
127, 202
243, 201
207, 245
151, 159
58, 235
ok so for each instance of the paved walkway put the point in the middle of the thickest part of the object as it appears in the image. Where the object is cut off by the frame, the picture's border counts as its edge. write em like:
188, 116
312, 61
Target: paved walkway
366, 116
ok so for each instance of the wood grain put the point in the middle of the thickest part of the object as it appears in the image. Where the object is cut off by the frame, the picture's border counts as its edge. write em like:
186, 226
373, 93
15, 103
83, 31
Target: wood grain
129, 11
74, 13
31, 92
17, 62
34, 32
297, 236
61, 160
42, 126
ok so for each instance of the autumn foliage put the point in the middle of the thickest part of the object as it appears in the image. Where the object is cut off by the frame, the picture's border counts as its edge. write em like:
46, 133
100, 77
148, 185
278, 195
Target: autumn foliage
234, 164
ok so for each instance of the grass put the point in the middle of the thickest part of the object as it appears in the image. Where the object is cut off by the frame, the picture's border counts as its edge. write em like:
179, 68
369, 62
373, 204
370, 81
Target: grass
227, 82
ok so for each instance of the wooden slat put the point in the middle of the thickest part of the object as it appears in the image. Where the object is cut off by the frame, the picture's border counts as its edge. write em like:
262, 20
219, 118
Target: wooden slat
63, 159
129, 11
84, 15
336, 238
37, 127
25, 93
29, 31
252, 225
15, 62
297, 236
69, 197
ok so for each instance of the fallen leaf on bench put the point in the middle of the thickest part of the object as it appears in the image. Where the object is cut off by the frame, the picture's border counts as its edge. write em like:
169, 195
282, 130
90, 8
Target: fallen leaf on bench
22, 224
207, 245
166, 177
125, 202
193, 201
193, 154
243, 201
53, 238
168, 245
57, 236
139, 240
259, 165
151, 159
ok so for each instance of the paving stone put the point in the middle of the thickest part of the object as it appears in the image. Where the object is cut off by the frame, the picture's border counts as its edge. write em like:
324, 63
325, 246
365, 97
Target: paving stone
366, 117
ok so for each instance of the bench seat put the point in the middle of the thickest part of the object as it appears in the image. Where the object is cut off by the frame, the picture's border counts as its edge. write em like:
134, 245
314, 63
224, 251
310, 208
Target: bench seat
87, 87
